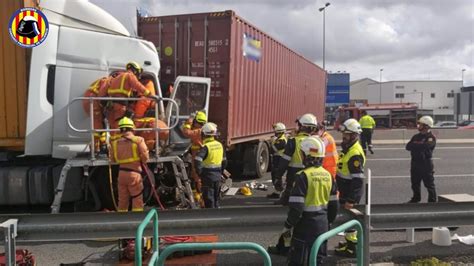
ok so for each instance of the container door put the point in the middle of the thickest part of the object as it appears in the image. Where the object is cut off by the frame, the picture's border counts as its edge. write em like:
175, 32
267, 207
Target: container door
191, 95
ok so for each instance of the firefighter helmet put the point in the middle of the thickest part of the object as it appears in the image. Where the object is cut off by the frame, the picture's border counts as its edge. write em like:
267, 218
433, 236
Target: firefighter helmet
350, 126
308, 120
201, 117
279, 127
135, 67
426, 120
126, 122
209, 129
313, 147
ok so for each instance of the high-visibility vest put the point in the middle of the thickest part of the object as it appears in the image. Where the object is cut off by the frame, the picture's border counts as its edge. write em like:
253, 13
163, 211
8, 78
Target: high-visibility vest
121, 90
342, 165
319, 189
367, 122
330, 154
277, 151
296, 159
215, 154
131, 155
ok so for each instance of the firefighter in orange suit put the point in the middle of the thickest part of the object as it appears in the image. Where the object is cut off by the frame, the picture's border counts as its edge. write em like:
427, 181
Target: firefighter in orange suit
96, 89
125, 85
192, 130
129, 151
142, 106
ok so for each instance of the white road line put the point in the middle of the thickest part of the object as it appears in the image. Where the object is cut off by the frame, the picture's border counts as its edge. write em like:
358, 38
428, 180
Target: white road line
394, 159
437, 148
435, 176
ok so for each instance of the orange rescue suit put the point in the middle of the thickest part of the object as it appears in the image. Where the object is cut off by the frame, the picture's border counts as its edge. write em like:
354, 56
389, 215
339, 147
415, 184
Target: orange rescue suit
331, 157
129, 152
195, 135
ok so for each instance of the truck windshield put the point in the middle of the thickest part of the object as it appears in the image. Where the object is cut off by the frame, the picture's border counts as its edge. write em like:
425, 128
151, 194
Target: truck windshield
191, 97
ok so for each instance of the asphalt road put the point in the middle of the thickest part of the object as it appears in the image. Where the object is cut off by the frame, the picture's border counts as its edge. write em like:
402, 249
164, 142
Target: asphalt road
454, 166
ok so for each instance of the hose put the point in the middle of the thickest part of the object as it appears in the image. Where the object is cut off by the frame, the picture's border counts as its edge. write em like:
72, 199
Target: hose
149, 175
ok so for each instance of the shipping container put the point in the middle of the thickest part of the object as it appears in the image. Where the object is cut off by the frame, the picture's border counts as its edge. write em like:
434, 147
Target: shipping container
247, 95
256, 80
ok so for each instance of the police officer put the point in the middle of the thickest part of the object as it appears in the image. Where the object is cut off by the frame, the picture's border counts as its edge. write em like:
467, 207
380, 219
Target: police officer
421, 147
367, 123
349, 178
291, 160
278, 147
210, 162
309, 203
130, 152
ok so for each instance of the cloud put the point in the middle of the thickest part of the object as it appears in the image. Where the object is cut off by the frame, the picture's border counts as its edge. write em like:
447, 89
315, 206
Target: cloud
423, 39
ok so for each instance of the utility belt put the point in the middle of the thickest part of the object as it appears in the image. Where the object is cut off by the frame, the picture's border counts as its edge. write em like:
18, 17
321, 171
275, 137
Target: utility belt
307, 214
129, 170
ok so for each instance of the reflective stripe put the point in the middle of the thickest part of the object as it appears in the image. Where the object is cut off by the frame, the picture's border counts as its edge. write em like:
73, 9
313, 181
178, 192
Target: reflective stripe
297, 199
145, 119
331, 154
296, 165
94, 87
195, 147
198, 158
344, 176
314, 208
286, 157
212, 166
122, 210
333, 197
121, 90
359, 175
137, 209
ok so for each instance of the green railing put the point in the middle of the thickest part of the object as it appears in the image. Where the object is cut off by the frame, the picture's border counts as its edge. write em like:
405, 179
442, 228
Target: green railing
210, 246
138, 238
360, 239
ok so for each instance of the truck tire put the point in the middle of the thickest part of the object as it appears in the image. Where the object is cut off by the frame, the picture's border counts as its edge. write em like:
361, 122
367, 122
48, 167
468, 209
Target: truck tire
262, 159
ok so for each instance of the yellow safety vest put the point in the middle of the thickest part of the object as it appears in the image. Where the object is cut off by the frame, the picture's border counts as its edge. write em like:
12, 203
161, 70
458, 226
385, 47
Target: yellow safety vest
215, 154
277, 151
319, 189
367, 122
121, 90
343, 164
134, 157
296, 159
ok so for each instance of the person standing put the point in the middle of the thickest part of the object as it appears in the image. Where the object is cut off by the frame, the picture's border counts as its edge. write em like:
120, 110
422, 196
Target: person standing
210, 163
278, 147
349, 178
308, 204
129, 151
367, 123
291, 160
421, 147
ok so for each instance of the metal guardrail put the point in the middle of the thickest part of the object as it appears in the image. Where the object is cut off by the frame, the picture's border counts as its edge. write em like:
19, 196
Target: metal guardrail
351, 224
152, 214
210, 246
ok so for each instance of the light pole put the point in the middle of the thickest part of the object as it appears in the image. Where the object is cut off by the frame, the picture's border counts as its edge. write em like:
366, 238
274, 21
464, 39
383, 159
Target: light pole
462, 77
323, 9
380, 92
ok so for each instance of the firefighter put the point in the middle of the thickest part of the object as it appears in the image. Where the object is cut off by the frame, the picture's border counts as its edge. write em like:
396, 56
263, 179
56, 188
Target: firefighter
192, 130
278, 147
308, 203
349, 178
125, 85
329, 162
210, 163
291, 160
367, 123
129, 151
96, 89
421, 147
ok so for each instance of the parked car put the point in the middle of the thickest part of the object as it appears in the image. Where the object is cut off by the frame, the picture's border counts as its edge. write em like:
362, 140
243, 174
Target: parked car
445, 124
468, 126
464, 123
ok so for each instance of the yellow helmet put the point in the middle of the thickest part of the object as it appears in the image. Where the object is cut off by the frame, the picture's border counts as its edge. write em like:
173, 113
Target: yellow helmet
201, 117
126, 122
245, 191
132, 65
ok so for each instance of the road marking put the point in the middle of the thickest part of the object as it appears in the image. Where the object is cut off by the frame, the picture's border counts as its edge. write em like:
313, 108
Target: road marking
395, 159
437, 148
435, 175
199, 220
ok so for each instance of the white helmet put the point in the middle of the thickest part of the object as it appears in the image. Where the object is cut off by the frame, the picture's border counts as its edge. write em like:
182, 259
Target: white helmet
279, 127
426, 120
350, 126
313, 146
308, 120
209, 129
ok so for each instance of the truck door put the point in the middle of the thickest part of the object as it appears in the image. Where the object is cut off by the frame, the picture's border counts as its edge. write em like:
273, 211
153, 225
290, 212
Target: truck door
191, 95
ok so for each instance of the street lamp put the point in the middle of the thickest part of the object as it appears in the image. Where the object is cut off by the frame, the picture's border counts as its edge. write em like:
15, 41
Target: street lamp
462, 77
323, 9
380, 94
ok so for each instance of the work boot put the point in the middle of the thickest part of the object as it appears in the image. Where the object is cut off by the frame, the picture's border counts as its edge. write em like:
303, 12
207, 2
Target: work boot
371, 150
348, 250
412, 200
274, 195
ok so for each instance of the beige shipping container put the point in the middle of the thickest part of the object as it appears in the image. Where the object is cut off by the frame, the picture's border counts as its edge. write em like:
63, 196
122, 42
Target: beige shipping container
13, 80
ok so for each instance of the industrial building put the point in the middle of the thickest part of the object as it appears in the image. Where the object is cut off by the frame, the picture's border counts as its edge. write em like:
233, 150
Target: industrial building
436, 95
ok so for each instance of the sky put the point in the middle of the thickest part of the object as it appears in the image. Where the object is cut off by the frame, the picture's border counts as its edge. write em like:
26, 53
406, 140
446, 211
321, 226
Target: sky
408, 39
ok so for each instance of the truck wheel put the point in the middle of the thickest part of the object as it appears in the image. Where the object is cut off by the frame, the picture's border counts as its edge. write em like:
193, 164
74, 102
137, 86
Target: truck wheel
262, 159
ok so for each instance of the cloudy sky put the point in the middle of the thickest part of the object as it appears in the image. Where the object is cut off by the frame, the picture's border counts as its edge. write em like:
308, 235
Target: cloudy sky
409, 39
